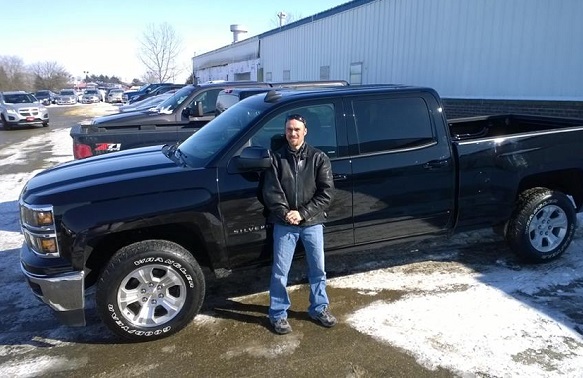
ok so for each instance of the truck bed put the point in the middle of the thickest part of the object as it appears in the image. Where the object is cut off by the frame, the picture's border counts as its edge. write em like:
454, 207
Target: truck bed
501, 156
463, 129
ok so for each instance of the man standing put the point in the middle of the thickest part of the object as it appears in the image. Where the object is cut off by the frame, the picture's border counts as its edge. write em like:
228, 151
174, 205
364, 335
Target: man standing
297, 191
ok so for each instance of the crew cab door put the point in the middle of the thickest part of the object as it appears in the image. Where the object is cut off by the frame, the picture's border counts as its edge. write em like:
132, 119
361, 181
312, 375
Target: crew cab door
247, 234
403, 171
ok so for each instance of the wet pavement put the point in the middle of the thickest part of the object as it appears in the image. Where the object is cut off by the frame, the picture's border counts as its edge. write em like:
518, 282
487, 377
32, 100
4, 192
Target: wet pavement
232, 336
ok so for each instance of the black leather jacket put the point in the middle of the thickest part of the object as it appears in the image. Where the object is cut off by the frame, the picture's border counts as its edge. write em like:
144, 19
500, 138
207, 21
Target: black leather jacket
300, 181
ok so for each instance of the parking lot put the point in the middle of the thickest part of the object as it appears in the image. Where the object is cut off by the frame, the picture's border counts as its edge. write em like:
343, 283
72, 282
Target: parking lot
459, 307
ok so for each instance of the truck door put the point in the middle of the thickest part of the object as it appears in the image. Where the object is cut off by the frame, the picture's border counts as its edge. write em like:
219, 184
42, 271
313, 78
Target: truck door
402, 167
247, 234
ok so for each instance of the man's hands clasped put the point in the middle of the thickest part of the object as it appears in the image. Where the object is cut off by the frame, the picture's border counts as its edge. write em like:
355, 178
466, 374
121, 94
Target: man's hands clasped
293, 217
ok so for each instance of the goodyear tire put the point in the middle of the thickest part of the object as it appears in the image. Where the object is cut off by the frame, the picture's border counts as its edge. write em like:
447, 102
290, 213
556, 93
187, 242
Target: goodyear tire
542, 225
150, 290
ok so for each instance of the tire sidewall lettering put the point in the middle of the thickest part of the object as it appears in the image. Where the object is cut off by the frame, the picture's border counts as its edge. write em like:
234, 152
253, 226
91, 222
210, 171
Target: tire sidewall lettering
154, 332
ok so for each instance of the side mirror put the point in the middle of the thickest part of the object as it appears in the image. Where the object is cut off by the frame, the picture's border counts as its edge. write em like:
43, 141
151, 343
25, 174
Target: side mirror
253, 159
196, 110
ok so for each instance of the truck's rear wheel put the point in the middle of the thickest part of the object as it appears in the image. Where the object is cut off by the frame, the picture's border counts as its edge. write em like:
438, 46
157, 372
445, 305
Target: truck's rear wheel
542, 225
150, 290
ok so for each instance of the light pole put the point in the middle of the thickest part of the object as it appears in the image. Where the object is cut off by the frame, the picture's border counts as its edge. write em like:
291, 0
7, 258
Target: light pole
86, 77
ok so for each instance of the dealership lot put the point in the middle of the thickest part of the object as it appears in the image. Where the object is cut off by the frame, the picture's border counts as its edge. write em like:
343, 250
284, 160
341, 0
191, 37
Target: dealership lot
465, 307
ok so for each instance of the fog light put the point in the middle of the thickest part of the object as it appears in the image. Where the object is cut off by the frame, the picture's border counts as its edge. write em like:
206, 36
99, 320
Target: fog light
48, 245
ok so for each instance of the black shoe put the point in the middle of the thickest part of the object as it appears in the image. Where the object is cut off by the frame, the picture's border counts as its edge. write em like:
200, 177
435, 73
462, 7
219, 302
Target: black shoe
281, 326
325, 318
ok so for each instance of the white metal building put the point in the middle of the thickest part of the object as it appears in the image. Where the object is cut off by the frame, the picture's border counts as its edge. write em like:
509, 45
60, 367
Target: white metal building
478, 49
239, 61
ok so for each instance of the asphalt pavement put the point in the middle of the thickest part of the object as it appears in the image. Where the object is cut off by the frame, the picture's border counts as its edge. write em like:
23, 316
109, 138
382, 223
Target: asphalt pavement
232, 336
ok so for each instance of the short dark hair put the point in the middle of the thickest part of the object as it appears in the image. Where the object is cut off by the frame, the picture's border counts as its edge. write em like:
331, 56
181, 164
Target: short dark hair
297, 117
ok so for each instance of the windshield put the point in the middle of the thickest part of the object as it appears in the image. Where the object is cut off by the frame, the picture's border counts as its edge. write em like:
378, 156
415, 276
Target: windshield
68, 93
220, 132
170, 104
19, 98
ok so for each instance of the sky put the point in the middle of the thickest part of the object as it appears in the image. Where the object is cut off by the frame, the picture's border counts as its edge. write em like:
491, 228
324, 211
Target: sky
497, 318
101, 36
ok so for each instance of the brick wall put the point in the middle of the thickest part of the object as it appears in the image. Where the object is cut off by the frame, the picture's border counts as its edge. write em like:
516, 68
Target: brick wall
456, 108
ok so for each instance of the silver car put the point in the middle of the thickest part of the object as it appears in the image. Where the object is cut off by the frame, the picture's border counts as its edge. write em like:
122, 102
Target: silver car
19, 108
67, 96
91, 96
115, 95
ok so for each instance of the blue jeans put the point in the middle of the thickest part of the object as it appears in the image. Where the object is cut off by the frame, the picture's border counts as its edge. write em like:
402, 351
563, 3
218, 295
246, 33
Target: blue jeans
285, 238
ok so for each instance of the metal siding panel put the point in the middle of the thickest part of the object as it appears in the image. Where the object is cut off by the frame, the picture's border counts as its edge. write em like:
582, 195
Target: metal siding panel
527, 49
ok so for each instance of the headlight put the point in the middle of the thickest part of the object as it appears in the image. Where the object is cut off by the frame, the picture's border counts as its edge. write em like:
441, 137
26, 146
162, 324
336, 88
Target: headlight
36, 217
11, 111
42, 109
38, 228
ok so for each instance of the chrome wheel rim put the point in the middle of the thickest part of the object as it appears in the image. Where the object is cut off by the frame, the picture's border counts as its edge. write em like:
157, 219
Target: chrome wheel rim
151, 295
548, 228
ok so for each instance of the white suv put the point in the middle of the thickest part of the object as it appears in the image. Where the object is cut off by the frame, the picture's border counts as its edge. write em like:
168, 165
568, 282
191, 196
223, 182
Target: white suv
19, 108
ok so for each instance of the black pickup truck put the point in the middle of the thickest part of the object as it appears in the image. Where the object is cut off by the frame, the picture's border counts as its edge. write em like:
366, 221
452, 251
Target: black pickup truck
176, 119
139, 224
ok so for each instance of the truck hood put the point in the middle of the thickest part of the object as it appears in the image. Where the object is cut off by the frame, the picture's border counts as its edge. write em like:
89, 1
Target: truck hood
130, 173
125, 118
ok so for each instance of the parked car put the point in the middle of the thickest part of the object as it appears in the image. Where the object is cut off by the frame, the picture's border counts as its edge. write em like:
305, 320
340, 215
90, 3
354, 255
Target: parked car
45, 97
18, 108
139, 224
91, 96
230, 96
155, 92
149, 103
67, 97
115, 95
134, 95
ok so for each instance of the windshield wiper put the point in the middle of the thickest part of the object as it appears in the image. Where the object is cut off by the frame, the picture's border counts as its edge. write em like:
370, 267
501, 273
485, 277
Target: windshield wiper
182, 158
173, 153
168, 150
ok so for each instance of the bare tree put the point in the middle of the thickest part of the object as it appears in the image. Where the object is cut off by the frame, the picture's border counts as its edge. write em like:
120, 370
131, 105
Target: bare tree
159, 48
151, 77
49, 75
14, 75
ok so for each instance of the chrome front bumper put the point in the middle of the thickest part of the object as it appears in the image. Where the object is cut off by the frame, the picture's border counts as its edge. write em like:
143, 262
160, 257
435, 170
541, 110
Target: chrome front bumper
65, 294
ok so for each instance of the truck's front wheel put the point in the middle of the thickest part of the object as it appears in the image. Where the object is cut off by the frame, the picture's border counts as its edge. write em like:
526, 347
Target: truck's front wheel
542, 225
150, 290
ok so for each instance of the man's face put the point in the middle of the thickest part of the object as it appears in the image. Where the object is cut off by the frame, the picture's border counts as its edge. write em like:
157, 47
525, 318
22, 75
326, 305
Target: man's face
295, 132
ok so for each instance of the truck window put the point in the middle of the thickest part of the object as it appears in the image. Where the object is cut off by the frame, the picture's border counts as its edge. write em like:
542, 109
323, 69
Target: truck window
320, 123
392, 123
208, 99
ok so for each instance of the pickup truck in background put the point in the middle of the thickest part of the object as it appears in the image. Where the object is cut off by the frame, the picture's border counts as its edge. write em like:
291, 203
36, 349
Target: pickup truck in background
176, 119
144, 90
139, 224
